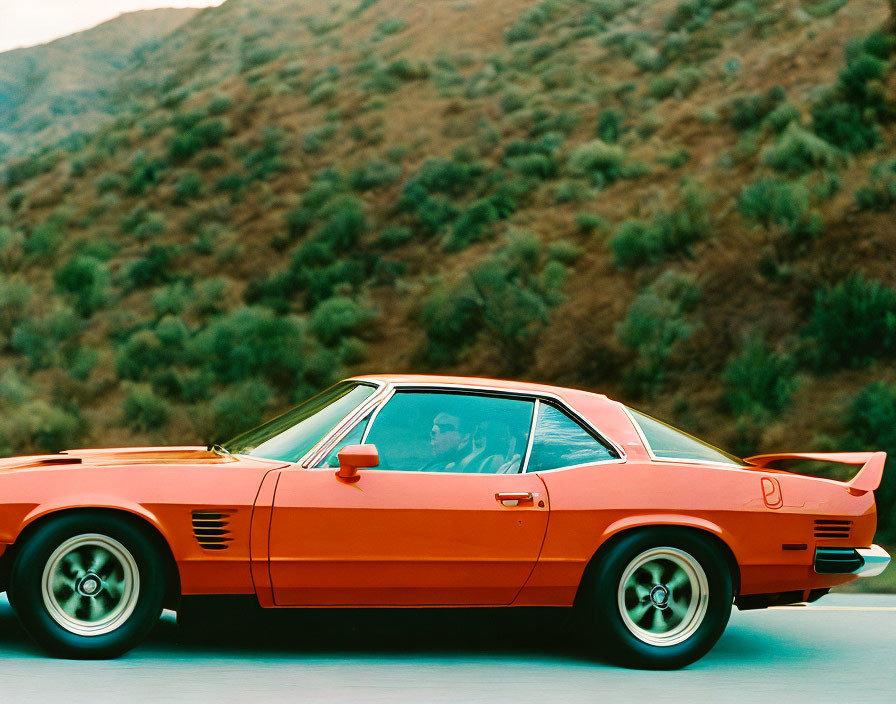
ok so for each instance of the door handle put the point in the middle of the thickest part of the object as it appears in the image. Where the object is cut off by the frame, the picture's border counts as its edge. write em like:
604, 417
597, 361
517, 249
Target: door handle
513, 498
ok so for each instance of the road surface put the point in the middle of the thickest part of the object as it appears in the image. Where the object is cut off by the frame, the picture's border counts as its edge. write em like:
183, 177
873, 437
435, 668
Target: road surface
841, 649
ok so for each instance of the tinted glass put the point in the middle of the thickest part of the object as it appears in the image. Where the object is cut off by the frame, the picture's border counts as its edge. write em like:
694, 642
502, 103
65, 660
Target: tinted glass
446, 432
354, 437
288, 437
666, 441
562, 442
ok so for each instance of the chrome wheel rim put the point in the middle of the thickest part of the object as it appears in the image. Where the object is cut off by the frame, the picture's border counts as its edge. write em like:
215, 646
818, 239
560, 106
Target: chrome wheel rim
663, 595
90, 584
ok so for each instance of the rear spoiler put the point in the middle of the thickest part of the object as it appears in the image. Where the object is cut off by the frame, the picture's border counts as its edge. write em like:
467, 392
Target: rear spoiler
867, 479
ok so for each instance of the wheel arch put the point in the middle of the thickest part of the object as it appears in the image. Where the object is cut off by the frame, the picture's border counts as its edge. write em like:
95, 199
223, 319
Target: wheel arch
136, 519
704, 529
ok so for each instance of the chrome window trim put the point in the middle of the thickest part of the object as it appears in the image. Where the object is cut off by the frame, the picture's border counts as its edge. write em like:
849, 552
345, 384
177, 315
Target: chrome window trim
674, 460
524, 465
578, 419
348, 421
388, 389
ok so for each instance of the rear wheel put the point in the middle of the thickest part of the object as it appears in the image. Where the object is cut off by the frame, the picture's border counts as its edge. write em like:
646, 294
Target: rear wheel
88, 586
659, 599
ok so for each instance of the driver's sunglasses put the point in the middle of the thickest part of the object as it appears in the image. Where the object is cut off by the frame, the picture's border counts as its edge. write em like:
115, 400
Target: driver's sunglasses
446, 427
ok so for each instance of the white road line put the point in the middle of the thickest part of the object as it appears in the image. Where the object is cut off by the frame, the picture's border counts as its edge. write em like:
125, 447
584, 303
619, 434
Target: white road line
835, 608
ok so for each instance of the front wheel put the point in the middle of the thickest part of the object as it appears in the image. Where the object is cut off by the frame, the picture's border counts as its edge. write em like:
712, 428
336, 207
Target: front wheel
88, 586
659, 599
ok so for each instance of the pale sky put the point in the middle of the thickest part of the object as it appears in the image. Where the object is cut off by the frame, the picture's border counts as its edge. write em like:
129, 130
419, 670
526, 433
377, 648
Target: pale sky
29, 22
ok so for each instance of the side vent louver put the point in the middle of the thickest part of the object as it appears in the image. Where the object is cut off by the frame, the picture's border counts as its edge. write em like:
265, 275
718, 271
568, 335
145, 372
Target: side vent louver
211, 528
832, 529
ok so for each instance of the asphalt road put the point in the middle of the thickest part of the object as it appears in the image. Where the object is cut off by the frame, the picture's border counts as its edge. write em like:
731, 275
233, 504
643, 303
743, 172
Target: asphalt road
842, 649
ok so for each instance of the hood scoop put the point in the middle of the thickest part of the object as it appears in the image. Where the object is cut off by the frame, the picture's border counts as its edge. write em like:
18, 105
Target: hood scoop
37, 461
150, 455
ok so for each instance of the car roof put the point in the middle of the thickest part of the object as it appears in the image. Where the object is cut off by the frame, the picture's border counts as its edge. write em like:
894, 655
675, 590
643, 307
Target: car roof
425, 379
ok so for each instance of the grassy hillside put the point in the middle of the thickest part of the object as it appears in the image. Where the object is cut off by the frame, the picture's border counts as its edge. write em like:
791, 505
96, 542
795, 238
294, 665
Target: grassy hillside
687, 205
61, 89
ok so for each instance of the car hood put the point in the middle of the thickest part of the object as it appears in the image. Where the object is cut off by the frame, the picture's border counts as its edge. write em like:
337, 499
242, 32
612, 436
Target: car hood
187, 454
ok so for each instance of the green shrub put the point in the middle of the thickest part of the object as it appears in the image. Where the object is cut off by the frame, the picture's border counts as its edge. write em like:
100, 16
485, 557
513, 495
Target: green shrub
472, 224
590, 222
540, 166
451, 322
746, 112
203, 135
143, 410
852, 323
316, 140
773, 201
219, 104
38, 426
142, 353
374, 174
532, 20
564, 251
848, 113
265, 159
391, 25
145, 172
440, 175
80, 361
86, 279
335, 318
572, 191
211, 160
153, 268
511, 100
758, 380
42, 339
600, 162
798, 151
609, 125
508, 296
879, 191
15, 297
782, 116
44, 240
394, 236
662, 87
870, 424
108, 182
667, 233
173, 299
675, 158
187, 187
239, 408
658, 320
253, 343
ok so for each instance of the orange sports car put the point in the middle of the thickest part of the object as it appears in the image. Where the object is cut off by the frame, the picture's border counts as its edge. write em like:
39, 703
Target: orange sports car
411, 491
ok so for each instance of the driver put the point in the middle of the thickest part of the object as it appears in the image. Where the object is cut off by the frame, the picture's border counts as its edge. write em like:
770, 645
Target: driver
450, 442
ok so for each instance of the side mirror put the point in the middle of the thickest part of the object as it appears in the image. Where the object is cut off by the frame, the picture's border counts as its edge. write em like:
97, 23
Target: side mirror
354, 457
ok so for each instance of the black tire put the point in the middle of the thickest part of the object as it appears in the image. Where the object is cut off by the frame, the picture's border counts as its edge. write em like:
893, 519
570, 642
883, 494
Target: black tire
614, 634
134, 610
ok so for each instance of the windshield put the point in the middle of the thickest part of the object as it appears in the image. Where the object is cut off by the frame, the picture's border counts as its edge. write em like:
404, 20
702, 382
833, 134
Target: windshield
288, 437
667, 442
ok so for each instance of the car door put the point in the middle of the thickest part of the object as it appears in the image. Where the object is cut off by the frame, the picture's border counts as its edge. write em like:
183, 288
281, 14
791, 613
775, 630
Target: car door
446, 519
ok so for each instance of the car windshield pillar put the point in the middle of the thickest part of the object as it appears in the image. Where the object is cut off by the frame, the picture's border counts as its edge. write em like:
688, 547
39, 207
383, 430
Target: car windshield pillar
290, 436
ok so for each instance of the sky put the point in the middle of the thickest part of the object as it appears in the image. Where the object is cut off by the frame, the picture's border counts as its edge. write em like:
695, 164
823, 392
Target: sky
29, 22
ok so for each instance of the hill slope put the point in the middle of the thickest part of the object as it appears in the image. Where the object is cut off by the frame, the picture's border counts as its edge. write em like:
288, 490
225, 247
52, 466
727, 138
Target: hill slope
686, 205
55, 89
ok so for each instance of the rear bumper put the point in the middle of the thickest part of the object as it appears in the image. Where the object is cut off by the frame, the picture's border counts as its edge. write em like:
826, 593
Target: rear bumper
863, 562
876, 560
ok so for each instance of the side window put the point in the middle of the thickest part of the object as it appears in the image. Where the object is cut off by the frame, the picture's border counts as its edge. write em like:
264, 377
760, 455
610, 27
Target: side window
430, 431
561, 442
354, 437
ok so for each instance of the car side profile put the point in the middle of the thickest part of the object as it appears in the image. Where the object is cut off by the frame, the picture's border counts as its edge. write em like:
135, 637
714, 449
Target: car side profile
409, 491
